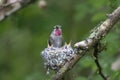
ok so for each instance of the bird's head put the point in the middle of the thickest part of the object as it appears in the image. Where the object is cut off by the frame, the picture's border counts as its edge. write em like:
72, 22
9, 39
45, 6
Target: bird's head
57, 30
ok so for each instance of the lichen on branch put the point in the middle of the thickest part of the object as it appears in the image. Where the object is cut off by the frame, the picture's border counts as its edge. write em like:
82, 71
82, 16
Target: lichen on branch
82, 47
7, 7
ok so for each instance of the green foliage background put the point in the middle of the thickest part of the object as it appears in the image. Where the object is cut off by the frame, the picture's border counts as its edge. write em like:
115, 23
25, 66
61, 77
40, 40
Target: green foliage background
24, 35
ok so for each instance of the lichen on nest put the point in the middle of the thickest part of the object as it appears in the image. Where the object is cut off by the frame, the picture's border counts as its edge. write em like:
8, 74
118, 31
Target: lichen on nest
55, 58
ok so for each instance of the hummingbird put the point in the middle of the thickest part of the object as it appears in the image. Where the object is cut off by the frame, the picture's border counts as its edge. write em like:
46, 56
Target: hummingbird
56, 39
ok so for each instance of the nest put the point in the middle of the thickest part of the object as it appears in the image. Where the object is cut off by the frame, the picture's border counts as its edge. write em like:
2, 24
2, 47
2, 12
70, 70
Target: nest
55, 58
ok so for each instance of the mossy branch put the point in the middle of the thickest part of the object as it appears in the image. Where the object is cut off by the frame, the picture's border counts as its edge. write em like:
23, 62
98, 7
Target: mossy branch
83, 46
8, 7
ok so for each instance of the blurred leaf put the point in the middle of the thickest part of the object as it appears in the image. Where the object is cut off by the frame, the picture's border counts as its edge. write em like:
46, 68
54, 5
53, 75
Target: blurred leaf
98, 16
115, 75
81, 78
81, 12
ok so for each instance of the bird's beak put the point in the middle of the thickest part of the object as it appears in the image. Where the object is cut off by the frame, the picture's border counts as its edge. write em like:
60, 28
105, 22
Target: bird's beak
69, 44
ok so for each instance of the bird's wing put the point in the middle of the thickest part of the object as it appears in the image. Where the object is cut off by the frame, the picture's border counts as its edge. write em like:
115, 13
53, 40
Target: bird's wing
50, 41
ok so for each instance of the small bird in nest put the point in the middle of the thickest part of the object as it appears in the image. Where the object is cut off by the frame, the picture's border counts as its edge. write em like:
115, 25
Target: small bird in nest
56, 38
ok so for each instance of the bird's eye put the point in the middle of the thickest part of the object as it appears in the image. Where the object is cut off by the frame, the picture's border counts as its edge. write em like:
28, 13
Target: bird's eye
57, 27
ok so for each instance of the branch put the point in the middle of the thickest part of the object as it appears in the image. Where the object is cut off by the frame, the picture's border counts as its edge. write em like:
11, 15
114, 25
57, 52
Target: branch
10, 6
95, 53
82, 47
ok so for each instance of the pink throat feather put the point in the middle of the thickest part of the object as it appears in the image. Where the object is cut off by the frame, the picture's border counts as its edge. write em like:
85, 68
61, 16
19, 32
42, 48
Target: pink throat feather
57, 32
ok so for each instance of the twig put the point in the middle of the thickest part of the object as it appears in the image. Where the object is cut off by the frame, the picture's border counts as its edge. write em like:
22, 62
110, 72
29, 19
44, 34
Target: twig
12, 6
85, 45
95, 53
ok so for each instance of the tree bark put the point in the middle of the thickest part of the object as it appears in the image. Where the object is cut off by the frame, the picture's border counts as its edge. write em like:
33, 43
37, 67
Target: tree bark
10, 6
83, 46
